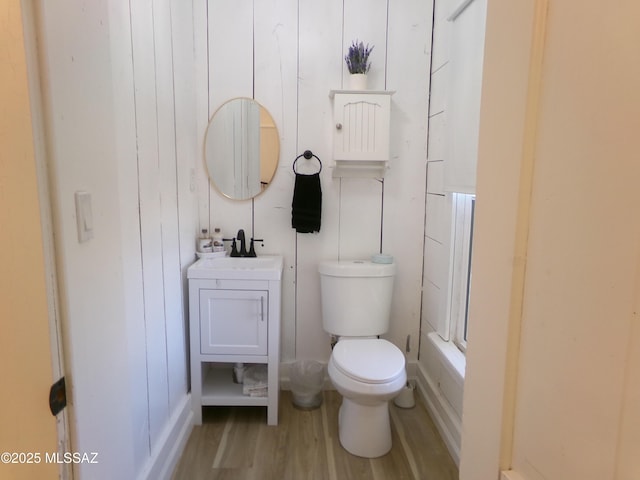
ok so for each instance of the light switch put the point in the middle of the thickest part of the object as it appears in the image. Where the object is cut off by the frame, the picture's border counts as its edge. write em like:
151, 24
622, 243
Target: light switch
84, 216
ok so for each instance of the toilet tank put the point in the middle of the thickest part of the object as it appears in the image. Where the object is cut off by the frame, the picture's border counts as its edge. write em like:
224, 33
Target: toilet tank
356, 296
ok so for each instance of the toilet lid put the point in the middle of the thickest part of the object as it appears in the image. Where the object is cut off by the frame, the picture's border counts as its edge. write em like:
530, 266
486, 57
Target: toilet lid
368, 360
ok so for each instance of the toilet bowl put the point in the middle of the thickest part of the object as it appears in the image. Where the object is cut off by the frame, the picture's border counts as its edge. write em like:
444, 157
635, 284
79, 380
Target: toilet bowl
367, 372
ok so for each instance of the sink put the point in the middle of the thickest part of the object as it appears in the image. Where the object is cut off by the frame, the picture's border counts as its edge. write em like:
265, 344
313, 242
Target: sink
266, 267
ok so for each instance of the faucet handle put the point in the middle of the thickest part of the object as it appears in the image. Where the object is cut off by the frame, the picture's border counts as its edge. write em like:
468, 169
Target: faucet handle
252, 250
234, 249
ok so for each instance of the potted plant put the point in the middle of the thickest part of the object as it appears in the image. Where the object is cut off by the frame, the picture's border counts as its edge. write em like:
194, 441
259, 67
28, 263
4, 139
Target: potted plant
358, 63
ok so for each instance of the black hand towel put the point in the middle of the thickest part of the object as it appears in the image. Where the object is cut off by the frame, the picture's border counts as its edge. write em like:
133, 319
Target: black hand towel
307, 203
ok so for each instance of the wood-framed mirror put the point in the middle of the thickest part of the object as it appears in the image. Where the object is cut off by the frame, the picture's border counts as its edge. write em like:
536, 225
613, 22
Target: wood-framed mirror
241, 148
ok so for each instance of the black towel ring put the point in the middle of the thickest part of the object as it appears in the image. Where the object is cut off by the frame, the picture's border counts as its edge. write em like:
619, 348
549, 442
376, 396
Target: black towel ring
308, 154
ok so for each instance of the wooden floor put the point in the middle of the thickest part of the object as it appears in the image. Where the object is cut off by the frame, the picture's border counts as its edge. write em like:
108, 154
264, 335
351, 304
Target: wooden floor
235, 443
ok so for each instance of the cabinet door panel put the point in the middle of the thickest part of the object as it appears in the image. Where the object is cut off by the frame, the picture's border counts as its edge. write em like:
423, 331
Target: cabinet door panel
233, 322
362, 127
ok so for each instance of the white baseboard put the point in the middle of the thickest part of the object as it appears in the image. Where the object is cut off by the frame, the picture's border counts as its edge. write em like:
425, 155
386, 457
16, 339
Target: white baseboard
438, 408
165, 456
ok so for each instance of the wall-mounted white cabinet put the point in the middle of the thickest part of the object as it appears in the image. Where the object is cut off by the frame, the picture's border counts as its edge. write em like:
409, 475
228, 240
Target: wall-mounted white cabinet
361, 132
234, 317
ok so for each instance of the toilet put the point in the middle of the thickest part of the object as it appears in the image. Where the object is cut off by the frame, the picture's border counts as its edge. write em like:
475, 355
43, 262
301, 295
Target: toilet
366, 370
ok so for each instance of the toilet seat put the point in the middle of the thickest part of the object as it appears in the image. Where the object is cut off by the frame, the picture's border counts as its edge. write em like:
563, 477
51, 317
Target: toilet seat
371, 360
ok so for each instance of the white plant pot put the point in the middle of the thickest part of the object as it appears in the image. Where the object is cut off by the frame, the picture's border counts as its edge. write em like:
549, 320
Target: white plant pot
358, 81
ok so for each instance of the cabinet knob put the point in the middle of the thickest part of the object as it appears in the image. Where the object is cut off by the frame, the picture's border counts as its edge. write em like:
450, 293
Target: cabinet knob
338, 126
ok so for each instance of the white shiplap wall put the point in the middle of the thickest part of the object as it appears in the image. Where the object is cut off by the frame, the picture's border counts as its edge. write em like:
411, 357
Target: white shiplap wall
120, 124
126, 115
441, 383
288, 55
438, 206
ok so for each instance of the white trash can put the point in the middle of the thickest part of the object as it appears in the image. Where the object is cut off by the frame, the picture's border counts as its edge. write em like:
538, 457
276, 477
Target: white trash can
307, 378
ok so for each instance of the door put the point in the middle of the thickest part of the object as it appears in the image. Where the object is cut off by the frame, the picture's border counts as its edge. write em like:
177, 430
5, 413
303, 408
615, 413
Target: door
28, 341
233, 322
551, 386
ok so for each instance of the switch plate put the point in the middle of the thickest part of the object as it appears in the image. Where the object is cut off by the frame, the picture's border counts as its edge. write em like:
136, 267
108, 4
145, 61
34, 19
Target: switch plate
84, 216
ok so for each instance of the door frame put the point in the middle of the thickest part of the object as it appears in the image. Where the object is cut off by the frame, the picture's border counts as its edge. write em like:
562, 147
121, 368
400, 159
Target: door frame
508, 119
29, 24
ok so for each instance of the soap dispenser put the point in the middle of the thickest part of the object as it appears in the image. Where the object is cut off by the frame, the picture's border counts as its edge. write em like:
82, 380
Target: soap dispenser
205, 244
218, 244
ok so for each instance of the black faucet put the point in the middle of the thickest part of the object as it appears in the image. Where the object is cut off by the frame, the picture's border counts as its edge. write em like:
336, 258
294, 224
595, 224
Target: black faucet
243, 245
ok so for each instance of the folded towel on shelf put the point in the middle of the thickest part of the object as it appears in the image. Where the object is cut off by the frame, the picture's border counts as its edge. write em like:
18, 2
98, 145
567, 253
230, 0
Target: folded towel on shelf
306, 208
256, 391
255, 381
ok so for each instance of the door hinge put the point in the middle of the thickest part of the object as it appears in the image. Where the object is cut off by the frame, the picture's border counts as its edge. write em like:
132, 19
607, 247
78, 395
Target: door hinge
58, 397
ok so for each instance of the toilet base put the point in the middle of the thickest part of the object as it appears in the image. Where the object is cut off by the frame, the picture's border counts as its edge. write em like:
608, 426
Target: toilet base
364, 430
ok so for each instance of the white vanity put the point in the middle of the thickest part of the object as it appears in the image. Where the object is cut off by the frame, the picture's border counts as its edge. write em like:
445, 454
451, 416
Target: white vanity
234, 317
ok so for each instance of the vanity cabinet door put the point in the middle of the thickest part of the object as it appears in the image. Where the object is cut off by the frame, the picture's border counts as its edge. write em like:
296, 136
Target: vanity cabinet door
233, 322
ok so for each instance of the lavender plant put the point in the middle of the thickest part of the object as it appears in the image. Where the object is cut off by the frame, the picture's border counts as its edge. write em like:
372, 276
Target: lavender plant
358, 57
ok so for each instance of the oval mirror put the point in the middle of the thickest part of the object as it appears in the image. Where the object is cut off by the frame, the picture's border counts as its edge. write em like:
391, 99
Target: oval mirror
241, 148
